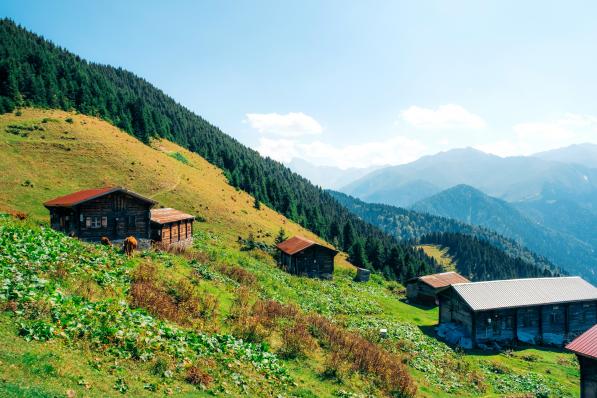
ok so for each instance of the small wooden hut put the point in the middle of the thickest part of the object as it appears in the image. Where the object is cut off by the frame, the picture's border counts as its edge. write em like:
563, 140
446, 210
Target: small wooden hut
424, 289
585, 348
172, 228
113, 212
301, 256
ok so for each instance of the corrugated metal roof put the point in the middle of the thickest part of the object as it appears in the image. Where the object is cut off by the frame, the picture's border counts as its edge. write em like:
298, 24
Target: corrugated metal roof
75, 198
585, 344
168, 215
525, 292
443, 279
296, 244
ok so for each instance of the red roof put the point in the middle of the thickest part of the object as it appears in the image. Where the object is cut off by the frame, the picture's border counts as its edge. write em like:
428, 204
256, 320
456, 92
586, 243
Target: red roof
444, 279
585, 344
296, 244
75, 198
166, 216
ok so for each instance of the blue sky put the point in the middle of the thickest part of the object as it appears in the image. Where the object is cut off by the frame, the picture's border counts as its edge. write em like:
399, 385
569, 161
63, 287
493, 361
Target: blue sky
353, 83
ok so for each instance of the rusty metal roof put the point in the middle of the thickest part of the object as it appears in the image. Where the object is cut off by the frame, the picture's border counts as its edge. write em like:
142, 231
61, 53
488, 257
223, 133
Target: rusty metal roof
168, 215
585, 344
296, 244
443, 279
512, 293
75, 198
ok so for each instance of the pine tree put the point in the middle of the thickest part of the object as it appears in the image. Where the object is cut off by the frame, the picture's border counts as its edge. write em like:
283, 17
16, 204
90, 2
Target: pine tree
281, 237
357, 255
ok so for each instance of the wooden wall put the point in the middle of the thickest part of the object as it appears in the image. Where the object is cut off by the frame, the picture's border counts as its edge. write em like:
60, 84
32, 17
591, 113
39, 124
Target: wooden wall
546, 324
173, 232
588, 377
119, 214
421, 293
314, 262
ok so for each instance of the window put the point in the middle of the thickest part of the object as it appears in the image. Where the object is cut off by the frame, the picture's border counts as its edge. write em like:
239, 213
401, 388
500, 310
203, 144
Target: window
131, 222
88, 222
96, 222
104, 222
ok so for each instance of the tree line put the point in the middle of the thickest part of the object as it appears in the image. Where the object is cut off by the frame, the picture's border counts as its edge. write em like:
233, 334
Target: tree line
510, 258
35, 72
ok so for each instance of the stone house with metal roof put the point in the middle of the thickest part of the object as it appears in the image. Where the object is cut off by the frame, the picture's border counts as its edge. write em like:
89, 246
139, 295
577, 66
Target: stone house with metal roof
585, 348
424, 289
301, 256
547, 311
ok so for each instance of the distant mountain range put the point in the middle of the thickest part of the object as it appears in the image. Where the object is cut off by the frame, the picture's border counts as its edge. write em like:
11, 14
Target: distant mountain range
583, 154
546, 202
571, 248
512, 179
327, 176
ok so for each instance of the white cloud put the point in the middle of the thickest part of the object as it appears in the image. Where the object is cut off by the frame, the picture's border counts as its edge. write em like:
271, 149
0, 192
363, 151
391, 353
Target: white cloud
533, 137
444, 117
293, 124
396, 150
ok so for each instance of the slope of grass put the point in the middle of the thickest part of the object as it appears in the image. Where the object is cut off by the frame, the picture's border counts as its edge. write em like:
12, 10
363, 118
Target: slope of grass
69, 323
84, 318
44, 156
441, 256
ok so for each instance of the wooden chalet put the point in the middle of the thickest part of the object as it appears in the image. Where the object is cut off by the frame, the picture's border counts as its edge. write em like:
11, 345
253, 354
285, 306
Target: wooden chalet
172, 228
585, 348
113, 212
424, 289
301, 256
548, 311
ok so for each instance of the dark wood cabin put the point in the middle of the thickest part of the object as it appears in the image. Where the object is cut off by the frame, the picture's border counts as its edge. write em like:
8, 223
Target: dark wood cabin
301, 256
423, 290
113, 212
549, 311
172, 228
585, 348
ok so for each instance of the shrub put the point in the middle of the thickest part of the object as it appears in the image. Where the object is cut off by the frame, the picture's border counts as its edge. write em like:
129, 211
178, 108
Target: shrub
386, 368
296, 340
69, 120
196, 376
238, 274
178, 302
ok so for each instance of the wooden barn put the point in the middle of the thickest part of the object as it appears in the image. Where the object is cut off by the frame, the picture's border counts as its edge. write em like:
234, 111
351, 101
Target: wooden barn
424, 289
548, 311
301, 256
113, 212
585, 348
172, 228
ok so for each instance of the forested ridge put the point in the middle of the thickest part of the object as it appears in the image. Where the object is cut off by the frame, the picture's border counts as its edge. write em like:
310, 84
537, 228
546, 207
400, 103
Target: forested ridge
35, 72
481, 253
478, 260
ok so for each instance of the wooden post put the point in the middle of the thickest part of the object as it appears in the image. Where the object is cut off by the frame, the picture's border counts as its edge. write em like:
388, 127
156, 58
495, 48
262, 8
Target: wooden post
566, 320
540, 309
515, 326
474, 329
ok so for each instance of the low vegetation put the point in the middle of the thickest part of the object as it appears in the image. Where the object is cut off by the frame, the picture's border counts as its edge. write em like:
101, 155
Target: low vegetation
176, 323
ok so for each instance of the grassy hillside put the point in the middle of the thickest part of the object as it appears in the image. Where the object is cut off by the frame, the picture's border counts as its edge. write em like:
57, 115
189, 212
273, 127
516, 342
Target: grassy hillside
83, 320
441, 255
51, 153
